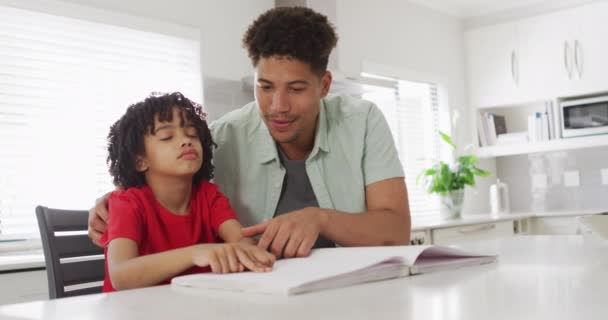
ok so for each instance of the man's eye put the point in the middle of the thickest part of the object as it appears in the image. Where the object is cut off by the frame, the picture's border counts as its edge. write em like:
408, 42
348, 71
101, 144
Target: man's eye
166, 138
296, 89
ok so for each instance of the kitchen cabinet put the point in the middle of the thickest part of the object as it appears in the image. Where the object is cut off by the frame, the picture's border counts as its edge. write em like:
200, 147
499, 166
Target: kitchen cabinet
476, 232
493, 60
559, 54
23, 286
565, 225
593, 48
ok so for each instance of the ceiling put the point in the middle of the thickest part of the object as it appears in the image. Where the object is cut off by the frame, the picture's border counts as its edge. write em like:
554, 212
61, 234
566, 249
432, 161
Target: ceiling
467, 9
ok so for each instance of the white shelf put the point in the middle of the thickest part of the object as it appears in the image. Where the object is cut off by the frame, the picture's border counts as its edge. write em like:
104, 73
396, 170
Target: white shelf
543, 146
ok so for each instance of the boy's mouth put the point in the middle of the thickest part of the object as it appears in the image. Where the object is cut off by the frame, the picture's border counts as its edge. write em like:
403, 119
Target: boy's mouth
188, 155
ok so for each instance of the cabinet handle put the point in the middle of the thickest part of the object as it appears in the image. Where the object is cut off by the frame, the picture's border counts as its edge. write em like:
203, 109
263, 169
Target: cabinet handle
477, 228
579, 65
567, 64
513, 67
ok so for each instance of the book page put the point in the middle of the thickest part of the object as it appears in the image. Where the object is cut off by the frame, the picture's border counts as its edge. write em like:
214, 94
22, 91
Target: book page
287, 274
334, 267
437, 258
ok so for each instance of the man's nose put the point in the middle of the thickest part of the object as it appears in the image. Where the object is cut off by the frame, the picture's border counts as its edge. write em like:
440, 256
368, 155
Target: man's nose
280, 102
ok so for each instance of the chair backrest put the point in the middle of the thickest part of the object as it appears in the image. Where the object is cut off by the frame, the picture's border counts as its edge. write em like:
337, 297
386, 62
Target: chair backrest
597, 224
74, 265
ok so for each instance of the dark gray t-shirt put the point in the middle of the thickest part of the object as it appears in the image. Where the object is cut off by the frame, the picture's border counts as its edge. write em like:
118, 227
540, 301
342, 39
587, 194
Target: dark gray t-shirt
297, 192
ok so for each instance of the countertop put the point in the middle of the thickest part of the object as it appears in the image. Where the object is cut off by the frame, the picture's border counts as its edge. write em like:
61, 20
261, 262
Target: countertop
470, 219
536, 277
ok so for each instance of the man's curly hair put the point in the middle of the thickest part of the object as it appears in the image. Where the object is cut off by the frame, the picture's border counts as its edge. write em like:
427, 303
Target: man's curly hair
126, 137
291, 32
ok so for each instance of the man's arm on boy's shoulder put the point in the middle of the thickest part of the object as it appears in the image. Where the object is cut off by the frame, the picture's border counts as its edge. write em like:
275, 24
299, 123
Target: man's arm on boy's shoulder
98, 219
386, 222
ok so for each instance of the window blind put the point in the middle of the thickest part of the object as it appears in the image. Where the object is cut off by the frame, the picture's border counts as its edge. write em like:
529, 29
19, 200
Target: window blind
63, 82
412, 112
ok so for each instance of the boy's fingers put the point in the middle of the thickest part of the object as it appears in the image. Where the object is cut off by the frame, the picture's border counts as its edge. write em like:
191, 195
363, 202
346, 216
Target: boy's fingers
233, 262
245, 259
214, 263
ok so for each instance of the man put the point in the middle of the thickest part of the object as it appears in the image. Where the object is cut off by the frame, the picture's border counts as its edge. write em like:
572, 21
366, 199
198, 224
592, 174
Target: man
301, 169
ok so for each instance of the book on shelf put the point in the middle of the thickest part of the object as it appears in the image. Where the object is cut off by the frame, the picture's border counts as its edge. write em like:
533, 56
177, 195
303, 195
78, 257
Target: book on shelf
338, 267
540, 127
490, 126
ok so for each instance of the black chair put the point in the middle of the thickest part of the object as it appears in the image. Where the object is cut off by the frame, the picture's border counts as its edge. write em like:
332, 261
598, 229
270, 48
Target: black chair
74, 265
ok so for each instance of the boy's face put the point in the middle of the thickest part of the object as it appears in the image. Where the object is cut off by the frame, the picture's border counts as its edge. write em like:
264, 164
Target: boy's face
173, 149
288, 93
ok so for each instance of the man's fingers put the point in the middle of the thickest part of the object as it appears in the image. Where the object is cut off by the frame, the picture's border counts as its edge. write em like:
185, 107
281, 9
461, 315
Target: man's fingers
268, 236
98, 225
280, 241
292, 246
255, 229
96, 229
305, 246
98, 218
95, 237
101, 207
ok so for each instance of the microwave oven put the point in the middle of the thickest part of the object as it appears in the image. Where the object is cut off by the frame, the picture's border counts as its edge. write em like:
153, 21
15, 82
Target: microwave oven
583, 117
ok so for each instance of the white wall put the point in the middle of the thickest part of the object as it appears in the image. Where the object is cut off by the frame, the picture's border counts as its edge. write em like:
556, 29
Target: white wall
222, 24
416, 42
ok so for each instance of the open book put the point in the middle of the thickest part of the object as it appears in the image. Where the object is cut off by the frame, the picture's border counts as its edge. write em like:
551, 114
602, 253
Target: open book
338, 267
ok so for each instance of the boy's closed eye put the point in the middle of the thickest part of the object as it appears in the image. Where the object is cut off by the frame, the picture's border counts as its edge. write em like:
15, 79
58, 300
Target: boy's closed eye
165, 138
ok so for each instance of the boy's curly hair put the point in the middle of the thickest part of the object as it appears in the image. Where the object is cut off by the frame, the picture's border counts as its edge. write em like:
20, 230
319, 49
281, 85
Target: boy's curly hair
126, 137
292, 32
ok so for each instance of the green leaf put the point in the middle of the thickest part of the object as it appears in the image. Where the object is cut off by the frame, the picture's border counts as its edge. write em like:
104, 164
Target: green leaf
447, 139
443, 178
480, 172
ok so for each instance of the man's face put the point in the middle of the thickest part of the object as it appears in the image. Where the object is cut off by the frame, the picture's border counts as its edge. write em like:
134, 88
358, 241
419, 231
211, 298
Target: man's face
288, 93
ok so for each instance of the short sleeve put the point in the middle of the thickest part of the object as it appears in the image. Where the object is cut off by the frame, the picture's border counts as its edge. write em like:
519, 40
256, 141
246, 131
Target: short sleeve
125, 219
380, 158
219, 206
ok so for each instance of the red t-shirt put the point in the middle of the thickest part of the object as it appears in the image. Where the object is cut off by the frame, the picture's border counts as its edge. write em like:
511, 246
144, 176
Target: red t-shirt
137, 215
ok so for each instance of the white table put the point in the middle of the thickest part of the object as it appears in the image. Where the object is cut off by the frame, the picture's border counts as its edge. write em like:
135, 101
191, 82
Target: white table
537, 277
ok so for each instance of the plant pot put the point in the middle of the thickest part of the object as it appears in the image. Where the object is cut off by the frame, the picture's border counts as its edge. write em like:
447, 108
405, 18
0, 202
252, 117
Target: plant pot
451, 204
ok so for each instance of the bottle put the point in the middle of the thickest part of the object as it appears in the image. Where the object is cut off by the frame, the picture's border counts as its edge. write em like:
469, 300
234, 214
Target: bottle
499, 198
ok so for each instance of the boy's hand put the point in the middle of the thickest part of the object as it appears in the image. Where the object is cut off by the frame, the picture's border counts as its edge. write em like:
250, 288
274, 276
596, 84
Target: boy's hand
232, 257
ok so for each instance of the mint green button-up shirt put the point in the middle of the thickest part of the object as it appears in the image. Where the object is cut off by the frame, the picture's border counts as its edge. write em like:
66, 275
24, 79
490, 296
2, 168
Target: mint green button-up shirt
353, 148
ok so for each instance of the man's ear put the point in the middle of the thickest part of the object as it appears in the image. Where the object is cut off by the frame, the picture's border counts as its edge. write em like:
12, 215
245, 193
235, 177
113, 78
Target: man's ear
141, 164
326, 83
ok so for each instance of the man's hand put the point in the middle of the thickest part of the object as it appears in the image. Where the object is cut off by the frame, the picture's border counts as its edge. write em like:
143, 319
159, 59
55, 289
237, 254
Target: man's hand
98, 219
290, 235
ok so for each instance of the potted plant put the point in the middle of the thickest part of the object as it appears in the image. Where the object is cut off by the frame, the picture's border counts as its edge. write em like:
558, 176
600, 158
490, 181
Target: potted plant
449, 180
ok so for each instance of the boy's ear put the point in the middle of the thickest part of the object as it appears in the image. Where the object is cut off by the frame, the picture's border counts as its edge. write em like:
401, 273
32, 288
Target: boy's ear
141, 164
